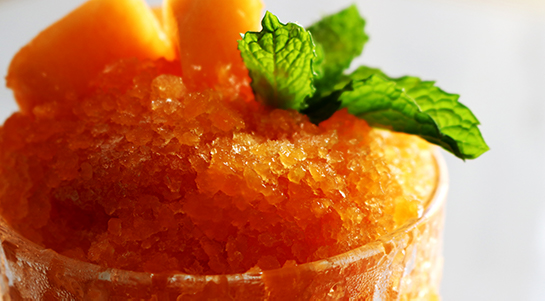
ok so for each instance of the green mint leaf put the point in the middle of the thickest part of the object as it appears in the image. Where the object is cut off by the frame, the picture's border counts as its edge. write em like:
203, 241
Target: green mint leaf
454, 119
290, 71
364, 72
320, 108
381, 103
280, 61
341, 37
413, 106
318, 62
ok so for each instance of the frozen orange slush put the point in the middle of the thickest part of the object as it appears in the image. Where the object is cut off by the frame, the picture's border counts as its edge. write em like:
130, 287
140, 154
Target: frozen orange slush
142, 165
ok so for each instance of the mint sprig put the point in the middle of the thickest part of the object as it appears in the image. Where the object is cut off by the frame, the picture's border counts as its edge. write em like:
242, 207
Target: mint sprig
457, 127
292, 68
279, 59
339, 39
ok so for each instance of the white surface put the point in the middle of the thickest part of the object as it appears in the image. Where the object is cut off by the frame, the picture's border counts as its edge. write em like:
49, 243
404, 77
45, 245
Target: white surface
493, 54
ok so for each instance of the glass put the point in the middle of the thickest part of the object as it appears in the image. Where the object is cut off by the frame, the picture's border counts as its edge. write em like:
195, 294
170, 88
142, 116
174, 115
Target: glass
403, 265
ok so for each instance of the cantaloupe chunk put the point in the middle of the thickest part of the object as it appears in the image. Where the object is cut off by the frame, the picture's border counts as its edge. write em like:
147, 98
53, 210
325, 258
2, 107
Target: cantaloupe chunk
57, 66
206, 32
158, 12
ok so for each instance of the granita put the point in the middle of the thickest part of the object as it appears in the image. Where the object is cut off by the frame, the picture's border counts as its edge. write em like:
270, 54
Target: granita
164, 156
147, 176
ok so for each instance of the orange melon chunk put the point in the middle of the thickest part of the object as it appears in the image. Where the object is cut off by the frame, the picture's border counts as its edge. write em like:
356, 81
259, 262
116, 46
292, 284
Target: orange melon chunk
206, 32
56, 67
158, 12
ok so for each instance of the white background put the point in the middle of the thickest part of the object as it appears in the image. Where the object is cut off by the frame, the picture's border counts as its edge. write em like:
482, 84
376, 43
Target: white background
492, 52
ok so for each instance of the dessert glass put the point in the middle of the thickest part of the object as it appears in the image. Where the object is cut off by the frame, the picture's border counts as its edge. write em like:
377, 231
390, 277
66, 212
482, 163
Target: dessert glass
403, 265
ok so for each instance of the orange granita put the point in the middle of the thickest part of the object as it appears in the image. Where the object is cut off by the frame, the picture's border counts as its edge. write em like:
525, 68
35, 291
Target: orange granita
144, 174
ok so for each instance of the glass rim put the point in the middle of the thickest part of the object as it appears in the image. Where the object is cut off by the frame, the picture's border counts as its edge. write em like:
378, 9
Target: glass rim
120, 276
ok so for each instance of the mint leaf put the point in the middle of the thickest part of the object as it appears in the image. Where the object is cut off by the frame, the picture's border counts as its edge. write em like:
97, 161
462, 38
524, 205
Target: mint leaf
279, 59
381, 103
453, 118
322, 107
289, 71
364, 72
318, 62
341, 37
412, 106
